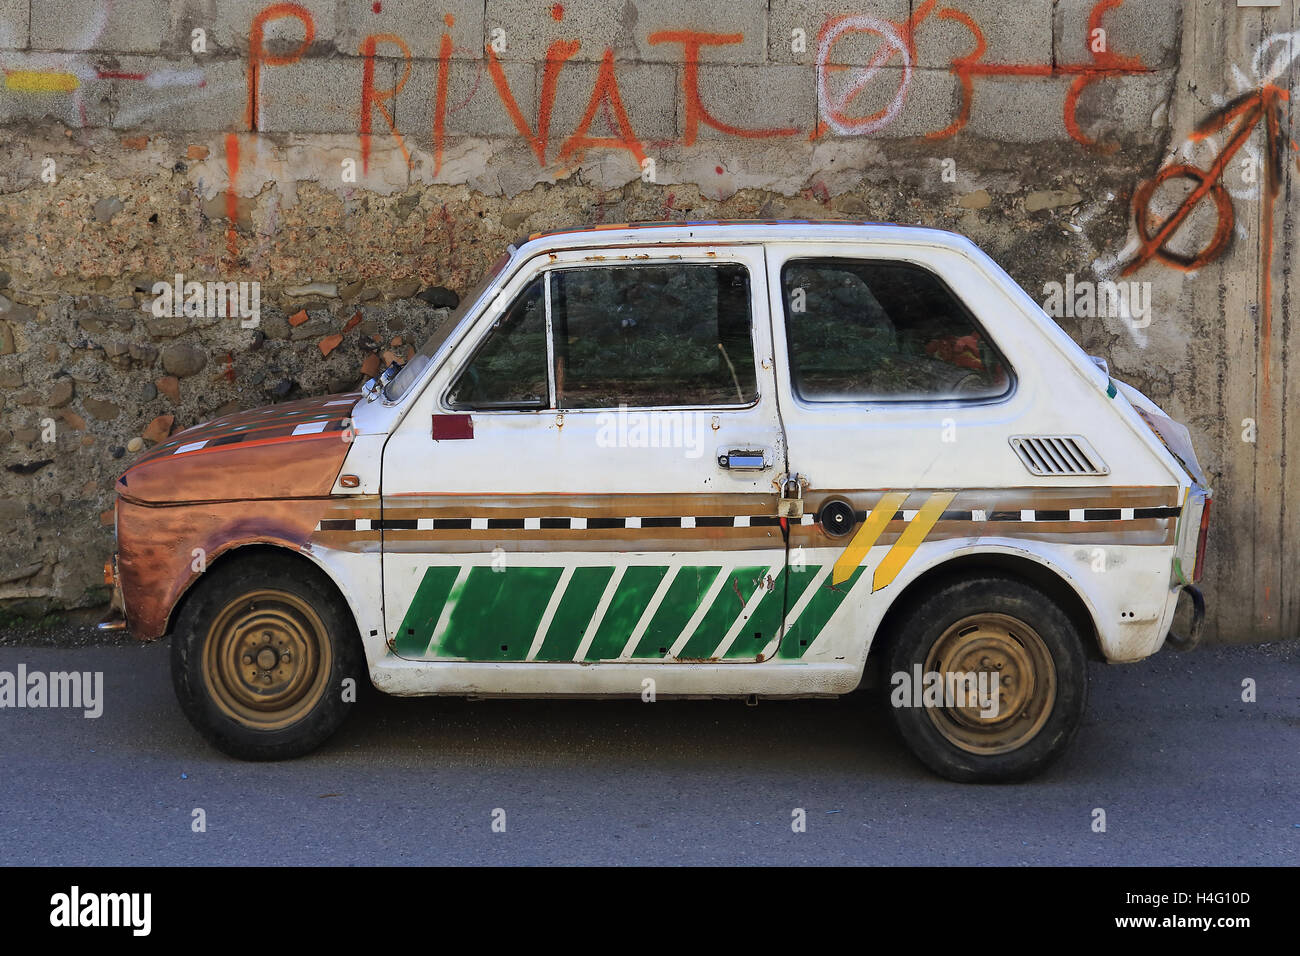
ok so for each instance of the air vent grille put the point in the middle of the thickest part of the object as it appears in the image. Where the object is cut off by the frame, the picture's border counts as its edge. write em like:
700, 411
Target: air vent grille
1058, 455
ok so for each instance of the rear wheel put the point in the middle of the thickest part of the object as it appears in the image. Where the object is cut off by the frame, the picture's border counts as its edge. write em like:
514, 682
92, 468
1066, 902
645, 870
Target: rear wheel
987, 680
260, 656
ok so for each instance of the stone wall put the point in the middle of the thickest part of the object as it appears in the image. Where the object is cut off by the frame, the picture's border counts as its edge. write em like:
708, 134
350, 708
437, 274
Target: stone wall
365, 161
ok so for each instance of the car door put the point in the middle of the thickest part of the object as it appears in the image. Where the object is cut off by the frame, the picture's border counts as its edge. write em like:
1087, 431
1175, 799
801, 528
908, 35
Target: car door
895, 399
589, 474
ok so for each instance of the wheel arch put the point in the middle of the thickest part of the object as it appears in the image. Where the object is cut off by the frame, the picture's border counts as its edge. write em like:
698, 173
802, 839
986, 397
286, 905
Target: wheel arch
242, 552
1032, 569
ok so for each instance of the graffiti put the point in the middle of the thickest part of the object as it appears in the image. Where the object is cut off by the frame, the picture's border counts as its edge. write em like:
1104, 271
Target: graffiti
1106, 64
696, 113
232, 197
833, 106
1259, 108
68, 73
374, 99
1243, 115
58, 73
605, 92
608, 121
899, 40
259, 57
556, 55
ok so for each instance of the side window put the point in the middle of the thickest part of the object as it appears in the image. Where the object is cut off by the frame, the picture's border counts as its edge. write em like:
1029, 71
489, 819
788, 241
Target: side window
860, 330
509, 369
648, 335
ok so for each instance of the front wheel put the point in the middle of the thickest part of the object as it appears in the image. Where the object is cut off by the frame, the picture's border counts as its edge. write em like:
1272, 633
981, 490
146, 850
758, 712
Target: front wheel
987, 681
261, 658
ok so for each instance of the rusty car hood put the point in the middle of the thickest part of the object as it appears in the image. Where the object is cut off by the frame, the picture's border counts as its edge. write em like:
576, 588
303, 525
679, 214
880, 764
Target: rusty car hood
292, 450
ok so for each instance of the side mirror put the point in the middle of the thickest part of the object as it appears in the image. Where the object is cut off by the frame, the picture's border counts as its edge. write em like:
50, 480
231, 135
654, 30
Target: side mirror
374, 387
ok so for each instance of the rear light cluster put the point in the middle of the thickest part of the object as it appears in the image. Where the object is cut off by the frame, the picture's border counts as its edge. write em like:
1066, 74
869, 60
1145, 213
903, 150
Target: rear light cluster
1200, 542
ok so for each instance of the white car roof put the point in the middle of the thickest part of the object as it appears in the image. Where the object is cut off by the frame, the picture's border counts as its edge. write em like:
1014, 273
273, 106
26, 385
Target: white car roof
745, 230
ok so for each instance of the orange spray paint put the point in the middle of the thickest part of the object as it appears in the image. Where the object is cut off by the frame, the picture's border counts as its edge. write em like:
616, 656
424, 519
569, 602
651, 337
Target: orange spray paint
259, 57
374, 99
556, 55
604, 92
691, 41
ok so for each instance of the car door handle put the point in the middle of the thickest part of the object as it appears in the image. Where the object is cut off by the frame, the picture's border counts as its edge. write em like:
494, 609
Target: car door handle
744, 459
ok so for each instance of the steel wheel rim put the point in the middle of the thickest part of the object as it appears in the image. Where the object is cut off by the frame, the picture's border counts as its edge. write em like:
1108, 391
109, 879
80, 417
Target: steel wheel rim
267, 659
1008, 647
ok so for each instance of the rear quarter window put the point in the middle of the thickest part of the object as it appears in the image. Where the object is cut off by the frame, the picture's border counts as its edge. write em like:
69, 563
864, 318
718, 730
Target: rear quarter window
861, 330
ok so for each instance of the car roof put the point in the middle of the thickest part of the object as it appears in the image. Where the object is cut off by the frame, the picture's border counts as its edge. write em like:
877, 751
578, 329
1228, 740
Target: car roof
738, 230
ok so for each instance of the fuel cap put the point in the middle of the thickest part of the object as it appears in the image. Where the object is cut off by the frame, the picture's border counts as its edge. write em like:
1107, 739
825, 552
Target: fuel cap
837, 518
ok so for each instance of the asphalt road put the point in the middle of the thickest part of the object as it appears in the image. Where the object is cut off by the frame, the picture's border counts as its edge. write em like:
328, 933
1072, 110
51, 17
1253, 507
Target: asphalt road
1185, 771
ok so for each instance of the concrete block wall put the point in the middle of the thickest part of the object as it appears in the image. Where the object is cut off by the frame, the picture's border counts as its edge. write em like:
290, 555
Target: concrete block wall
359, 158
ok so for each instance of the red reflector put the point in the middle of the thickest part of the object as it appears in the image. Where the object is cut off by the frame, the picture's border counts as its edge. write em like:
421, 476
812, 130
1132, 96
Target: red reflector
452, 427
1201, 538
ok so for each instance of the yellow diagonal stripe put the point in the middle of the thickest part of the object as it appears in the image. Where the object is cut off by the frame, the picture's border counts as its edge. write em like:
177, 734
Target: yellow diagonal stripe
880, 516
911, 538
39, 81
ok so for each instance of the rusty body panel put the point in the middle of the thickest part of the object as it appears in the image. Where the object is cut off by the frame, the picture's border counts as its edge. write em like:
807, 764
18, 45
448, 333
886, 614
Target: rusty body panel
284, 451
257, 477
156, 545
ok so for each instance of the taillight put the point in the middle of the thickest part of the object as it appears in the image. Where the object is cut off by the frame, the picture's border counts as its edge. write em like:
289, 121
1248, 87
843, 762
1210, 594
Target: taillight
1200, 541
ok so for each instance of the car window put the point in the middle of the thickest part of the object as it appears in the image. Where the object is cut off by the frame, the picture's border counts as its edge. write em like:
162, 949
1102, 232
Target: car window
412, 370
863, 330
649, 335
509, 369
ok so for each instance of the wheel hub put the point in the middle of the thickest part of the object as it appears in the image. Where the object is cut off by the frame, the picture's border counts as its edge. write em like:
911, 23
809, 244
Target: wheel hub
1002, 653
267, 659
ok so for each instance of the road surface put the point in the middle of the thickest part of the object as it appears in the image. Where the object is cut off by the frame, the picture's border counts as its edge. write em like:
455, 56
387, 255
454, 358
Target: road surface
1185, 771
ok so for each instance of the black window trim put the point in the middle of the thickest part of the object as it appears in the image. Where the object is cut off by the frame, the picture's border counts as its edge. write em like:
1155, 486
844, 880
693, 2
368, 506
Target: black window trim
545, 272
1013, 380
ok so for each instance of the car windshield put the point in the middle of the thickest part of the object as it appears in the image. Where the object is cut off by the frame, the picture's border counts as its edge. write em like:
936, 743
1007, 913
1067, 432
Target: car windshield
412, 370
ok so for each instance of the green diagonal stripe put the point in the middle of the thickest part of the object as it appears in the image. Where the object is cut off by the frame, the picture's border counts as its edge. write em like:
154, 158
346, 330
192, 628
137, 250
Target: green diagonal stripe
497, 614
725, 609
574, 613
680, 602
762, 625
625, 608
825, 602
417, 626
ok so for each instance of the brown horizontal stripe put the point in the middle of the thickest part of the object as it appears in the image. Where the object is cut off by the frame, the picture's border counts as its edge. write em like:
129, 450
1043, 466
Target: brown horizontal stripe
1147, 532
635, 539
726, 505
1016, 499
577, 506
1150, 531
356, 542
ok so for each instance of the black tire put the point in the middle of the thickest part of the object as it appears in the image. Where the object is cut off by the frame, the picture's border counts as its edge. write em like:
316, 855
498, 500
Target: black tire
260, 653
1018, 637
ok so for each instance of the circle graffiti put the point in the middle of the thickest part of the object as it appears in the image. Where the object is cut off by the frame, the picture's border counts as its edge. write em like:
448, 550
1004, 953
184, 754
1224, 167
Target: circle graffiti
1223, 228
834, 107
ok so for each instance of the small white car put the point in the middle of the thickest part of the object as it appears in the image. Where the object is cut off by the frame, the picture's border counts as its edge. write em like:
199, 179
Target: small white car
718, 459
